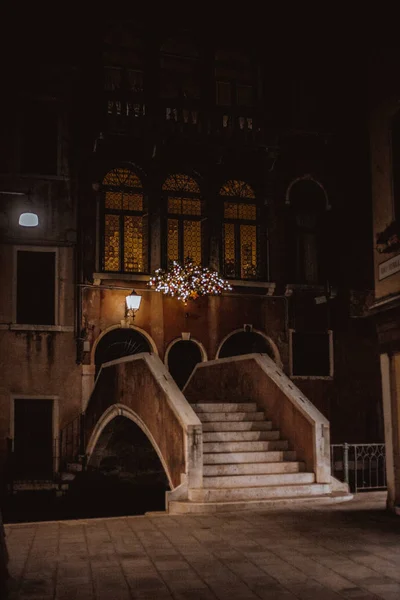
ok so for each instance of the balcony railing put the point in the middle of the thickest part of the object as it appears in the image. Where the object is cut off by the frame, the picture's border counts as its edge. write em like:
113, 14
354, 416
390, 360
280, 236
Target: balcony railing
225, 125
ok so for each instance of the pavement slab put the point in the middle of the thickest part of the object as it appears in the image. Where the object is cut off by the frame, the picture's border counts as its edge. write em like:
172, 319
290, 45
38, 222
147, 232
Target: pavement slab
349, 550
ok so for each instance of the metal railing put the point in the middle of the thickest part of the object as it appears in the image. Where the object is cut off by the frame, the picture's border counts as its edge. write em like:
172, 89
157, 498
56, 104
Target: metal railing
361, 466
71, 442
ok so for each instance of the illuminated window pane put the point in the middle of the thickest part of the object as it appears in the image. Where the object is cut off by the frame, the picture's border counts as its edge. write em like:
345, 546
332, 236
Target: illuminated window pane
192, 240
135, 244
230, 210
122, 178
175, 206
247, 212
111, 243
191, 206
173, 240
235, 188
114, 200
180, 183
133, 202
248, 251
125, 235
229, 250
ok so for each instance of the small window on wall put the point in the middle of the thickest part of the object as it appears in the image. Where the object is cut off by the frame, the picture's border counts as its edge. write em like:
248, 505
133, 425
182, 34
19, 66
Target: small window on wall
311, 354
125, 248
36, 297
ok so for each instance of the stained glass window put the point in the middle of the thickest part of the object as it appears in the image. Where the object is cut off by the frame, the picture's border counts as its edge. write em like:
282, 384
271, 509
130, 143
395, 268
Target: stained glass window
125, 243
184, 230
240, 244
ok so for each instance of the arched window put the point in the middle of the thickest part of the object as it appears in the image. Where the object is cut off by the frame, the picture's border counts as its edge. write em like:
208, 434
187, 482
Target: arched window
240, 244
308, 203
184, 209
125, 248
118, 343
245, 342
183, 356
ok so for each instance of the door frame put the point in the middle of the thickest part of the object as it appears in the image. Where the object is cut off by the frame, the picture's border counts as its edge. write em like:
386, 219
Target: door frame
55, 422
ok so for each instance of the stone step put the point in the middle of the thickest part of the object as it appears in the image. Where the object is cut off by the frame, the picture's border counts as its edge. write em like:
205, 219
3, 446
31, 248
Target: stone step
225, 407
218, 458
240, 436
184, 507
257, 492
251, 481
253, 468
237, 426
231, 416
244, 446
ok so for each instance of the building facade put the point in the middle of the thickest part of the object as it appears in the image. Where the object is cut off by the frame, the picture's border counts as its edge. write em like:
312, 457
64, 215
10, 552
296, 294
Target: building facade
151, 146
384, 139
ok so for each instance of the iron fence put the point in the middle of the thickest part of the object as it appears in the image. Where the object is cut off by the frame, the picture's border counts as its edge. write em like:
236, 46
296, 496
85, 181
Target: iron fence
361, 466
71, 443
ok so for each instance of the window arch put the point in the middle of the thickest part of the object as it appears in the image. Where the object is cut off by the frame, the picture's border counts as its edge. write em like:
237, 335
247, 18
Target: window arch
181, 357
240, 236
184, 219
125, 248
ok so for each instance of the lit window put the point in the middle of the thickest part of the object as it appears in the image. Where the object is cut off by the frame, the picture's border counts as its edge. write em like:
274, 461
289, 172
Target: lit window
125, 247
184, 229
240, 245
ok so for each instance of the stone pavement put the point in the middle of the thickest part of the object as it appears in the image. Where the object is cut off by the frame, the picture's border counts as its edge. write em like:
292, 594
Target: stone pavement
349, 550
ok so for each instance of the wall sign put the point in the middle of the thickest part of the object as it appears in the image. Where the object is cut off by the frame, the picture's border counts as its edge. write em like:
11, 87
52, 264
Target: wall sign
389, 267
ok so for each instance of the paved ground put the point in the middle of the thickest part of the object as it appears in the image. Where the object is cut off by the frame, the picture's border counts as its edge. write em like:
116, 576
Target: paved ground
351, 550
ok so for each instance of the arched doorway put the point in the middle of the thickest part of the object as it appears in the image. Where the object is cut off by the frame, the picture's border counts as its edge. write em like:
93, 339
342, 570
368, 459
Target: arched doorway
245, 342
118, 343
181, 358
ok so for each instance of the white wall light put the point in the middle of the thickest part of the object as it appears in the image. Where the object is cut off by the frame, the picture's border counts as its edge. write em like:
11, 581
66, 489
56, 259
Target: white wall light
28, 219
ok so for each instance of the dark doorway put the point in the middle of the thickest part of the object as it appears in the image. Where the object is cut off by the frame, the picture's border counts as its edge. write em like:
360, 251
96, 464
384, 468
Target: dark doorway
118, 343
245, 342
124, 476
33, 439
182, 359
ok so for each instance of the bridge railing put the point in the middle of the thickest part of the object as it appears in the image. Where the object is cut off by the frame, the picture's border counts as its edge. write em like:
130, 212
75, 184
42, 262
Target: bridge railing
257, 378
140, 388
361, 466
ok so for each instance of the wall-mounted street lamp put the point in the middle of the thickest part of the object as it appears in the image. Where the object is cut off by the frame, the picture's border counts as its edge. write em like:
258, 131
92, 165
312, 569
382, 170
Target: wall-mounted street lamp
27, 217
132, 306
